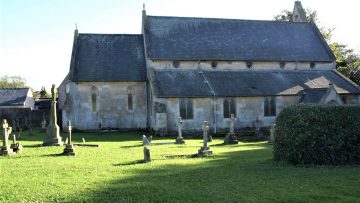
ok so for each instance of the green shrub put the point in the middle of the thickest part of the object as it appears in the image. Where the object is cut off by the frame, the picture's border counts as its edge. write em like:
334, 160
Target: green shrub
318, 134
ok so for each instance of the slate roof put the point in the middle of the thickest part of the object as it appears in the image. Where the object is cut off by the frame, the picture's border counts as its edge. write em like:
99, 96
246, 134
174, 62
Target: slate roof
13, 96
109, 57
184, 38
190, 83
313, 96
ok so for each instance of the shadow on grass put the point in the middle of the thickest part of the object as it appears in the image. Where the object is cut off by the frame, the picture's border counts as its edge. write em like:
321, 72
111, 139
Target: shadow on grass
130, 163
242, 176
131, 146
33, 145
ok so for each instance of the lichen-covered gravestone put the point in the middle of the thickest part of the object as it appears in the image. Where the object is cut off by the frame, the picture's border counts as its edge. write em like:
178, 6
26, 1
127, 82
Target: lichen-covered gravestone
16, 146
231, 138
69, 148
147, 157
272, 133
52, 136
180, 138
5, 149
205, 149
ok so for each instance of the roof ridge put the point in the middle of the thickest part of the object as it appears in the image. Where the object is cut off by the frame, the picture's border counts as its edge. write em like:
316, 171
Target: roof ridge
111, 34
235, 19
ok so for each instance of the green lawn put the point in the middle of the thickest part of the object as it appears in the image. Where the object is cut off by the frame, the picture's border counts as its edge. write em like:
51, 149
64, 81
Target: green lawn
114, 173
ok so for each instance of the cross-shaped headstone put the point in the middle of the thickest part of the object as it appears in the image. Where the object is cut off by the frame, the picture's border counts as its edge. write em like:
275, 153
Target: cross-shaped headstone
232, 119
6, 132
180, 126
205, 128
53, 92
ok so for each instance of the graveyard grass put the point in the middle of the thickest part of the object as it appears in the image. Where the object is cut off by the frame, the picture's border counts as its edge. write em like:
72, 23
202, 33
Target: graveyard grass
115, 173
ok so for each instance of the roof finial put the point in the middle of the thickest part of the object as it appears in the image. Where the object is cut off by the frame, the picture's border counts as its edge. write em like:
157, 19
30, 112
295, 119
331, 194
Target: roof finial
75, 26
143, 6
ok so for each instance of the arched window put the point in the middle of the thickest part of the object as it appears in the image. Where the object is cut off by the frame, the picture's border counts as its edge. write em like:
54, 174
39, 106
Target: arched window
270, 106
130, 98
93, 98
186, 108
229, 108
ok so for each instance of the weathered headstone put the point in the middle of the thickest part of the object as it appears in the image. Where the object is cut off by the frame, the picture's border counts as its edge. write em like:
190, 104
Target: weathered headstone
231, 138
145, 141
83, 140
180, 138
205, 149
5, 149
147, 157
16, 146
69, 148
52, 137
43, 124
272, 133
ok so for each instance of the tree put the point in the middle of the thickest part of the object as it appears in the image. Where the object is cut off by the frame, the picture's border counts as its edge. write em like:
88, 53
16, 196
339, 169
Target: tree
12, 82
347, 60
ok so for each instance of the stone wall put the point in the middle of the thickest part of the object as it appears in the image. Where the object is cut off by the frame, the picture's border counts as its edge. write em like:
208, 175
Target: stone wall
248, 109
111, 105
23, 117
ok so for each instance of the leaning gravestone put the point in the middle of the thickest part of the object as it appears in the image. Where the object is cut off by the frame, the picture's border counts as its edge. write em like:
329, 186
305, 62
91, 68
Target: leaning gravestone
52, 137
69, 148
180, 138
16, 146
231, 138
5, 149
205, 149
145, 141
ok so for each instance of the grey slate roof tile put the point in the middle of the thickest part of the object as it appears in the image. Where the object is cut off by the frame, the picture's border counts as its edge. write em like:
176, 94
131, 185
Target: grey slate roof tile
13, 96
109, 57
313, 96
188, 83
183, 38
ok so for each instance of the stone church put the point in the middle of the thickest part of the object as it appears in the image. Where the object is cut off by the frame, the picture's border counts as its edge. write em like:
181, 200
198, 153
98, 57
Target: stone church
200, 69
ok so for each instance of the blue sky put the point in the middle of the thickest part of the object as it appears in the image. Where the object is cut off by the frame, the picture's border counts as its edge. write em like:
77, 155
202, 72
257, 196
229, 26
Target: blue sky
36, 35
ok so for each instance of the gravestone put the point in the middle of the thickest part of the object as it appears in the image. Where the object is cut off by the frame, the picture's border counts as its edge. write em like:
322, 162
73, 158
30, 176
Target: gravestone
145, 141
5, 149
272, 133
83, 140
180, 138
69, 148
147, 157
231, 138
16, 146
43, 124
52, 137
205, 149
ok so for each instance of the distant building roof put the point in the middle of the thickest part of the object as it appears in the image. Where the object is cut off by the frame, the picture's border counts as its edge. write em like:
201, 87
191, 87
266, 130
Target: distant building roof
184, 38
13, 96
109, 57
190, 83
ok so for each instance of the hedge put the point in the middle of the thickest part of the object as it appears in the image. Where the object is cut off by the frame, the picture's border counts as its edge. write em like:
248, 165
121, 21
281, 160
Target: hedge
318, 134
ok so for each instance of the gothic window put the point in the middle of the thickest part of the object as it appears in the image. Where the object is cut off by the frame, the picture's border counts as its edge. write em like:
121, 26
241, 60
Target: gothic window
186, 108
249, 64
214, 64
176, 64
229, 108
312, 65
270, 106
93, 98
130, 98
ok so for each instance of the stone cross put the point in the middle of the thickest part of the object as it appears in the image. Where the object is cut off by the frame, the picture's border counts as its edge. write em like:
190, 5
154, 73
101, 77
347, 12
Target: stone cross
6, 132
53, 92
52, 137
69, 128
180, 126
232, 119
205, 128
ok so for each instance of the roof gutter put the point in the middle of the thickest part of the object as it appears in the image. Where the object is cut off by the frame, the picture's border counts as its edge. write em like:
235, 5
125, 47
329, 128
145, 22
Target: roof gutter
213, 93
